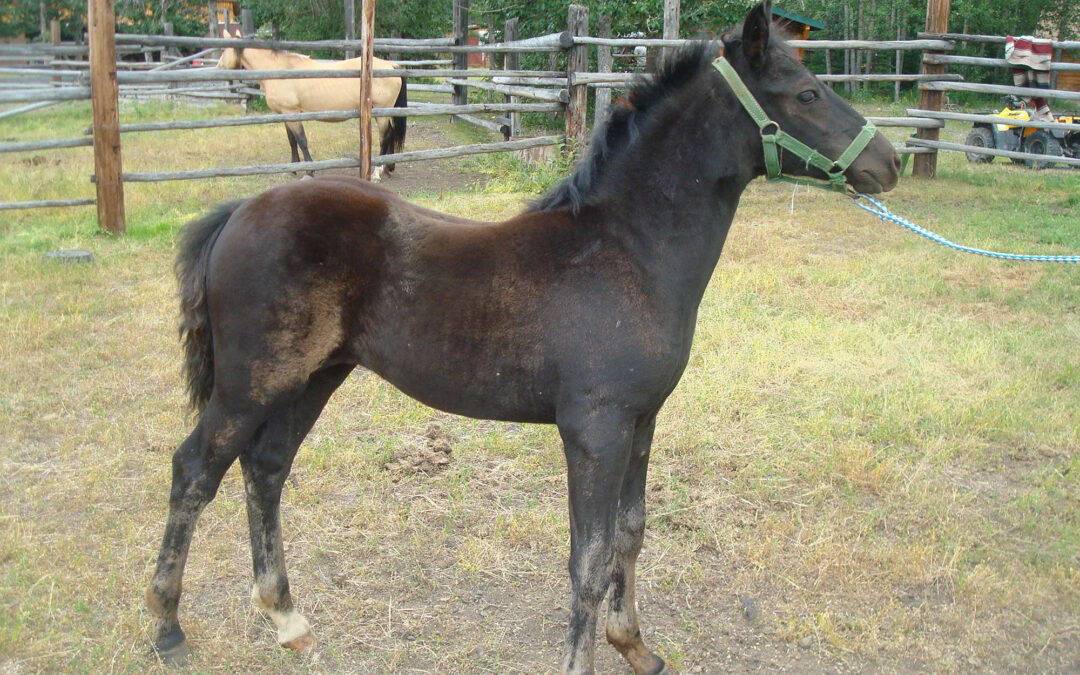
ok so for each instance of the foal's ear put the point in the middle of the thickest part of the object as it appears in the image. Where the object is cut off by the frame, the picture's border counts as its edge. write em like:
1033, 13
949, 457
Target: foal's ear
755, 35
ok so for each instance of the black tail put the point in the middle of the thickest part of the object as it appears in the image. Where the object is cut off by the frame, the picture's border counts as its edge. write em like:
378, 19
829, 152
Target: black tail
394, 138
198, 238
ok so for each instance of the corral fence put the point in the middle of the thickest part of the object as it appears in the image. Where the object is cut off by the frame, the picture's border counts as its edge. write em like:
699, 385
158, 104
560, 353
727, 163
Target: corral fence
44, 74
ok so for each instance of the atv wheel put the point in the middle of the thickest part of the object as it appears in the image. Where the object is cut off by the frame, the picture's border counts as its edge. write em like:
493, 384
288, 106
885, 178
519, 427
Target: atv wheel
1042, 143
980, 137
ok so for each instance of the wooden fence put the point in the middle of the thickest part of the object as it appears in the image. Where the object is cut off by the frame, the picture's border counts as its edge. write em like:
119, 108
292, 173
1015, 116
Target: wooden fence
561, 92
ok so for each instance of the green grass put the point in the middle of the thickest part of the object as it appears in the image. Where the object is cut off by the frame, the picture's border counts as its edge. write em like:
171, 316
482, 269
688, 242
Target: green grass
876, 439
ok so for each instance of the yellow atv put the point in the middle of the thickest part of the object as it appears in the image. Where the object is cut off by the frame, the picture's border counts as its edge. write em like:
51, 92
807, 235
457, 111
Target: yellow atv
1055, 142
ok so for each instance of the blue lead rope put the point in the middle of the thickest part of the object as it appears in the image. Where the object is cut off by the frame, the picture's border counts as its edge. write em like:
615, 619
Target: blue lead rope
878, 209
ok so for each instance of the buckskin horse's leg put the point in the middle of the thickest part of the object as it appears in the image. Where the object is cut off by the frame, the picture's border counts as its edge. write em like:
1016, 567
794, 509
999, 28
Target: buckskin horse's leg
266, 464
198, 467
297, 137
292, 142
385, 146
622, 627
597, 445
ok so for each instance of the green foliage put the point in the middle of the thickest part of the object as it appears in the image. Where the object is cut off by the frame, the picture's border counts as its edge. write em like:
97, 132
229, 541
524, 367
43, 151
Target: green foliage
324, 19
26, 17
509, 173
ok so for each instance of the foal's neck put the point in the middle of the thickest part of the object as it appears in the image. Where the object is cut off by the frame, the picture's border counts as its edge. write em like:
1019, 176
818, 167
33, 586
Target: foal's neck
672, 205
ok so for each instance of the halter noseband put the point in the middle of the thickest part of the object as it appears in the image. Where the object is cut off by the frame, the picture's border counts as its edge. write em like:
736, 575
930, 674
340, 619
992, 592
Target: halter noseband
778, 137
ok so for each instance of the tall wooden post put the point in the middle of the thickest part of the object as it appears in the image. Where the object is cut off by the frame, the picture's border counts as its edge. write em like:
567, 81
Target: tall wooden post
105, 93
54, 38
350, 25
247, 23
577, 61
511, 61
367, 37
603, 65
937, 21
461, 59
671, 23
211, 11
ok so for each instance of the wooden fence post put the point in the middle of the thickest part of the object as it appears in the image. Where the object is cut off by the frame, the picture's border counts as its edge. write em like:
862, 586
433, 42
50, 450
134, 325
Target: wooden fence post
461, 59
105, 94
54, 38
603, 65
671, 24
350, 25
247, 23
511, 61
211, 10
367, 37
577, 61
937, 21
171, 52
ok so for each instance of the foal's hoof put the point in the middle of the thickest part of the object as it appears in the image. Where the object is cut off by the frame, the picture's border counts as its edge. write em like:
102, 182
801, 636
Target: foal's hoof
176, 655
302, 643
172, 647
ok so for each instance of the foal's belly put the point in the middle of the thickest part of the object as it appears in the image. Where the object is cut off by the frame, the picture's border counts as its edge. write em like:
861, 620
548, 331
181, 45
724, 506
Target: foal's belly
494, 388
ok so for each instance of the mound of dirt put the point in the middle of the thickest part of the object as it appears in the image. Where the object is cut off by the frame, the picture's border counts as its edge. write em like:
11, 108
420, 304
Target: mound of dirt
429, 453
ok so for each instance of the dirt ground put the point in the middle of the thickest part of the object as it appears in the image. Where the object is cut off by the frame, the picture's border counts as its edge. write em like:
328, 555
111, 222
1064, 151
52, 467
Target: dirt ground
434, 176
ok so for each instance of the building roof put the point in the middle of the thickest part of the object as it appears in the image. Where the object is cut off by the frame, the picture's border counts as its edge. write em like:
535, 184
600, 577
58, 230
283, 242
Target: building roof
797, 18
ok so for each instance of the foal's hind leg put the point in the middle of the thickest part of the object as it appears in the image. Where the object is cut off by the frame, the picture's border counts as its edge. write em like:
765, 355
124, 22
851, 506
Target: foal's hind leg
266, 464
622, 627
198, 467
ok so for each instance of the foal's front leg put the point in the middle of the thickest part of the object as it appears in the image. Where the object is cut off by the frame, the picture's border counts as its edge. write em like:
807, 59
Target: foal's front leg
623, 630
597, 445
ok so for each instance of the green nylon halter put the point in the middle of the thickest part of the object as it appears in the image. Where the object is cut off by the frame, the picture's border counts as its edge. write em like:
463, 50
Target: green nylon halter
772, 142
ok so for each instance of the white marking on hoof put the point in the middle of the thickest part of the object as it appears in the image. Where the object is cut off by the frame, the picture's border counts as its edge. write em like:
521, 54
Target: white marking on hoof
294, 631
377, 174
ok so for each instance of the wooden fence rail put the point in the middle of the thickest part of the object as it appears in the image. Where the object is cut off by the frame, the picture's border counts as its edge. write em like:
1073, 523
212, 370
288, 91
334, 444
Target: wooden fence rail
994, 152
344, 163
1001, 89
950, 59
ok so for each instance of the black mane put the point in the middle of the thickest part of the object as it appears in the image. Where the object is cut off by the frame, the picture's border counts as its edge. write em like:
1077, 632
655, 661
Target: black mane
620, 130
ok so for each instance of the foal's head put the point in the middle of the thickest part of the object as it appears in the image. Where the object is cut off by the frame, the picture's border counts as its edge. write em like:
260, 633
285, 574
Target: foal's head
805, 108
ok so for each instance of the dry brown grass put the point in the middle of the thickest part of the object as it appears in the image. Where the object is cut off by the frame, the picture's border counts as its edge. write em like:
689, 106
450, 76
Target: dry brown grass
875, 448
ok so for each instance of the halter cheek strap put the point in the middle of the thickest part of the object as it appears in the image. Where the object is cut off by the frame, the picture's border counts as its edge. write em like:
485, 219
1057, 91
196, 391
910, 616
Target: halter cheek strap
773, 137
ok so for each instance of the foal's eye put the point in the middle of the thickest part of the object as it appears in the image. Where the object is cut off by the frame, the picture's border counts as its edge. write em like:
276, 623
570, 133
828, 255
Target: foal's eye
808, 96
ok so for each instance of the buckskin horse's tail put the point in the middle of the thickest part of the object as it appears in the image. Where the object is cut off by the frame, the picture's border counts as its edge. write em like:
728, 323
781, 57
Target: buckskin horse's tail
393, 140
197, 241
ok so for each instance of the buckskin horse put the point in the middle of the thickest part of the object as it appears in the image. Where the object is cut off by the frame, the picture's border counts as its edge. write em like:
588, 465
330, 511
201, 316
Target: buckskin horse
322, 94
578, 312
